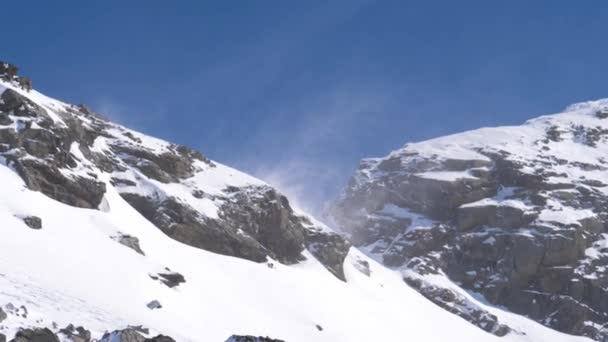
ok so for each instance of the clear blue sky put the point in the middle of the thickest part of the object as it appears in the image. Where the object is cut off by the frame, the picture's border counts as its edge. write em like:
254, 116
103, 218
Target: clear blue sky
297, 92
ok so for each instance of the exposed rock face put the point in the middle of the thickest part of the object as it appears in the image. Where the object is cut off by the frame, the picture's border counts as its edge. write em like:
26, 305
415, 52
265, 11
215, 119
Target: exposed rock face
76, 334
80, 334
239, 338
516, 213
35, 335
67, 151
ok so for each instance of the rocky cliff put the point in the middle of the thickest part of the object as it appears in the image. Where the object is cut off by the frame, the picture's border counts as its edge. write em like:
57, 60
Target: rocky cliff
516, 215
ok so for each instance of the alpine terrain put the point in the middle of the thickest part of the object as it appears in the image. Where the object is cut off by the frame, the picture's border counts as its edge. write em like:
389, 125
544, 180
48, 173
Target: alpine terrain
110, 235
512, 217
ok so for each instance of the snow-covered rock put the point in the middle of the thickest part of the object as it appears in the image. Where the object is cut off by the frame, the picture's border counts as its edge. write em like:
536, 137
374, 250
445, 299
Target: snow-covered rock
130, 220
515, 215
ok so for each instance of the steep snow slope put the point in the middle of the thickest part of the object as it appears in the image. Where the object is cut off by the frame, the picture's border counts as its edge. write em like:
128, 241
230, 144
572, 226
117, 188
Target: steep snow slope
93, 183
515, 216
71, 271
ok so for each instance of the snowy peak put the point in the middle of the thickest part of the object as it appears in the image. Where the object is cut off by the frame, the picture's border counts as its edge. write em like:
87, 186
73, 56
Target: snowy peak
517, 214
596, 105
112, 235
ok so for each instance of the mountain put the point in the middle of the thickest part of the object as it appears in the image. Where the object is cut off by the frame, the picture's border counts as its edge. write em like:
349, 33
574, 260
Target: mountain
515, 217
108, 234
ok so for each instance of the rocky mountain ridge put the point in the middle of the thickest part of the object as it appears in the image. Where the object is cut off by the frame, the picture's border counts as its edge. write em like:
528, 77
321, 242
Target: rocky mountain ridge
114, 234
516, 215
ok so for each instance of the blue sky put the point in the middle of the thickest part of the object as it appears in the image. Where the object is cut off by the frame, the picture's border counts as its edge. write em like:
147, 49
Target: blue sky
297, 92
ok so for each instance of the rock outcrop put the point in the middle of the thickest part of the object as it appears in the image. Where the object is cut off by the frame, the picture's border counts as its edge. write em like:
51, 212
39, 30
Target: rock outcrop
517, 214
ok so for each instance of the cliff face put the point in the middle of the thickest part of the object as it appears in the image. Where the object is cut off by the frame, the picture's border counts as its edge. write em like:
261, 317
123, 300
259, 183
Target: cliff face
515, 214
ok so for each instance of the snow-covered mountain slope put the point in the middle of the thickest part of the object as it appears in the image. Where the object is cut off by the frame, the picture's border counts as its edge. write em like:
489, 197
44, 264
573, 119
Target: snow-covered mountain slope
515, 216
104, 228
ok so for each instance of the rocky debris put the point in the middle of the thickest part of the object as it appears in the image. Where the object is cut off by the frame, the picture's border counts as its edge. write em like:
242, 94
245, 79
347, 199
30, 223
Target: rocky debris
33, 222
154, 305
170, 279
129, 241
248, 338
35, 335
320, 328
76, 334
20, 311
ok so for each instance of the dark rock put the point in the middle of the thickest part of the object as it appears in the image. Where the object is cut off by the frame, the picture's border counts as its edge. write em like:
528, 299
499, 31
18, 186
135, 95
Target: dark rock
126, 335
74, 334
154, 305
170, 279
330, 249
129, 241
248, 338
33, 222
3, 315
255, 223
79, 192
35, 335
18, 105
2, 338
184, 224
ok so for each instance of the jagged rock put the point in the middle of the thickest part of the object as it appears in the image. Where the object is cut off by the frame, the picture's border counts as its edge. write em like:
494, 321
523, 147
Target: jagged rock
33, 222
3, 315
79, 191
8, 70
171, 279
35, 335
330, 249
248, 338
130, 242
269, 225
16, 104
125, 335
154, 305
184, 224
76, 334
